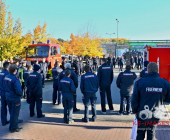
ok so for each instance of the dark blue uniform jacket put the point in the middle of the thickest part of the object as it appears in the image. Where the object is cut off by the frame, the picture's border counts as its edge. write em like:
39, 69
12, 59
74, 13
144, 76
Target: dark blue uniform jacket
143, 73
67, 86
105, 75
89, 83
125, 82
34, 83
72, 76
149, 94
55, 73
139, 60
121, 61
12, 87
2, 76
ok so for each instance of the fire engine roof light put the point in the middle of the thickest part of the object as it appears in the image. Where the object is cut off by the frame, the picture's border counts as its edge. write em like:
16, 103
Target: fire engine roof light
48, 41
33, 42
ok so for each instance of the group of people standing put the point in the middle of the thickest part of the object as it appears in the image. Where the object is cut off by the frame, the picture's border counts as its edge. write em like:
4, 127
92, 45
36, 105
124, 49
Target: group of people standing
65, 82
136, 62
18, 81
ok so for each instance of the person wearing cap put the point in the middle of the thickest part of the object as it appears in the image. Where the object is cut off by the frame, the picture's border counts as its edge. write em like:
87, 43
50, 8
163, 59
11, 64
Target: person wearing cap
4, 73
144, 72
21, 71
34, 83
26, 74
13, 93
55, 72
75, 80
43, 70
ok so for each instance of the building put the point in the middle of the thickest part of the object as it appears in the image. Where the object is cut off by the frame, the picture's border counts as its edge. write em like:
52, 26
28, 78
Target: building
109, 48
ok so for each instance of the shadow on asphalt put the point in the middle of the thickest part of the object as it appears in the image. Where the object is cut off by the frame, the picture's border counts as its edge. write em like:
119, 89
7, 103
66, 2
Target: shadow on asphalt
59, 121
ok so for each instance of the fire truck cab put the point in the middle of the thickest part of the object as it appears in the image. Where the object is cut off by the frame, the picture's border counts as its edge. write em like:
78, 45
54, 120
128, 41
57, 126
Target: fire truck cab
51, 52
161, 56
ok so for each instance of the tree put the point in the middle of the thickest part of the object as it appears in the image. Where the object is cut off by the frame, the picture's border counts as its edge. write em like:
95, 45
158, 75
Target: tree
40, 33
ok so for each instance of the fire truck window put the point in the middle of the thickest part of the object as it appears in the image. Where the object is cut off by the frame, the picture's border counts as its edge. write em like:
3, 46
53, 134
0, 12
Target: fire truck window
58, 50
53, 50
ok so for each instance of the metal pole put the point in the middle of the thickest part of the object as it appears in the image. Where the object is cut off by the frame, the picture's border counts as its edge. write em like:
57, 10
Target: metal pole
117, 40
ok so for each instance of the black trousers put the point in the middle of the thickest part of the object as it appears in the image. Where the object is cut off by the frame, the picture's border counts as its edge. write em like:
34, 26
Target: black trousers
114, 64
146, 126
24, 89
106, 91
139, 65
38, 100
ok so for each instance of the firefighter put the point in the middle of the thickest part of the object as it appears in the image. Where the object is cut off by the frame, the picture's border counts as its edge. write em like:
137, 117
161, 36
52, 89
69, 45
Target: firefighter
55, 72
144, 72
109, 60
139, 63
105, 77
132, 62
44, 70
76, 66
148, 98
81, 65
75, 80
21, 71
121, 63
26, 74
89, 86
125, 84
13, 93
136, 61
94, 64
90, 63
118, 61
34, 83
63, 63
4, 73
68, 89
114, 61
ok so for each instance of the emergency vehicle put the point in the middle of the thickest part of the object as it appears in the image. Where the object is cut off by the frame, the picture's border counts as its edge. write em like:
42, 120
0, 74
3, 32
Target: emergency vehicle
51, 52
161, 56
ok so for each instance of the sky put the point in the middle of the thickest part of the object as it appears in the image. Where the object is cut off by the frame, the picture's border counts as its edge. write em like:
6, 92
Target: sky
138, 19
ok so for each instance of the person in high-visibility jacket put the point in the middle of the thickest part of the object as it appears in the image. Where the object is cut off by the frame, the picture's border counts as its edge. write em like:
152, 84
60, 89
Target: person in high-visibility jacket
21, 71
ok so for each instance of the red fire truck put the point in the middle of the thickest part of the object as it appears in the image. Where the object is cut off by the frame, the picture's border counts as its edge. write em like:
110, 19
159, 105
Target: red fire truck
51, 52
161, 56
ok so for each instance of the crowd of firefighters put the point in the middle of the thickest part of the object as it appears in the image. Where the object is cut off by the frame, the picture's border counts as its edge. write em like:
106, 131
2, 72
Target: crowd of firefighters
18, 80
94, 63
